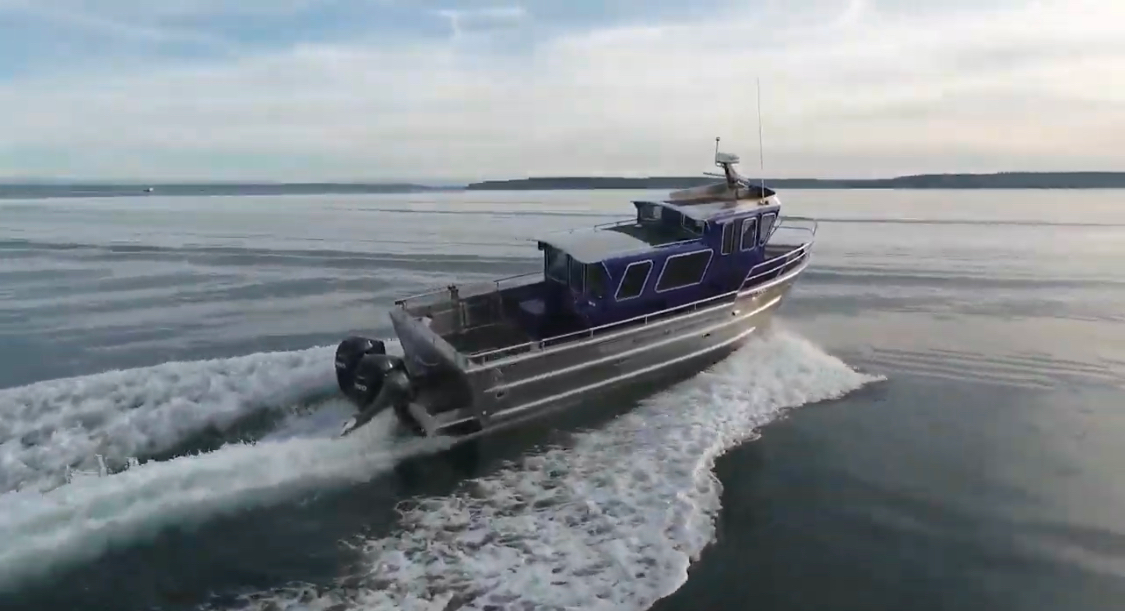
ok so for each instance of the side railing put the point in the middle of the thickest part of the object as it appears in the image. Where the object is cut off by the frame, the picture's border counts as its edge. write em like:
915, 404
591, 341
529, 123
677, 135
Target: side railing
461, 308
453, 293
481, 358
617, 223
796, 254
801, 225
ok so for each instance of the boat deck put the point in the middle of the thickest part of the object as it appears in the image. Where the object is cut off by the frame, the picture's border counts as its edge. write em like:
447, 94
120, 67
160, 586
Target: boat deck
496, 335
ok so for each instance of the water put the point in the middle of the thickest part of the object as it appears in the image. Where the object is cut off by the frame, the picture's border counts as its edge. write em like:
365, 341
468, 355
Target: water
933, 423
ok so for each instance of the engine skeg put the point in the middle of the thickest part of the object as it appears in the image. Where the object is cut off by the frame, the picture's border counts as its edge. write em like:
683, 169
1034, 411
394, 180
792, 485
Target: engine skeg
395, 390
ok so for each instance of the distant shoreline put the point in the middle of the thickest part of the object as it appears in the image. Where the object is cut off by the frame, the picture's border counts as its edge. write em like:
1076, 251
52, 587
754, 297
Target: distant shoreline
61, 189
1003, 180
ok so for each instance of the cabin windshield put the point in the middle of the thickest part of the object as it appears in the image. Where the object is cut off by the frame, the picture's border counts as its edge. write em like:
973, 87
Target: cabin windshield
555, 264
767, 225
596, 281
693, 226
577, 276
589, 279
649, 212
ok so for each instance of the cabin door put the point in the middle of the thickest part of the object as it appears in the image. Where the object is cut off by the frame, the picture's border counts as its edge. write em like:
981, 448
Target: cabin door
732, 260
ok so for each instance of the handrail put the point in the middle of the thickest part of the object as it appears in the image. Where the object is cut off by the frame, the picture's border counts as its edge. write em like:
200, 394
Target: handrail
785, 222
624, 221
497, 353
403, 301
500, 281
786, 260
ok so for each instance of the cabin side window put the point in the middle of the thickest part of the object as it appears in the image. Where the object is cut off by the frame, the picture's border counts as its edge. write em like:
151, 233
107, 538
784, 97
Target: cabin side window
554, 265
683, 270
634, 279
749, 234
596, 281
731, 233
767, 224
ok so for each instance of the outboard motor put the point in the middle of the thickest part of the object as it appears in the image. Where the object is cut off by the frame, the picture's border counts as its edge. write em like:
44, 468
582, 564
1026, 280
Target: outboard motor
380, 381
348, 354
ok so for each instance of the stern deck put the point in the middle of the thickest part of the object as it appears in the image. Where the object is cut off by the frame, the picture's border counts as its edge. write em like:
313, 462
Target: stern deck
488, 337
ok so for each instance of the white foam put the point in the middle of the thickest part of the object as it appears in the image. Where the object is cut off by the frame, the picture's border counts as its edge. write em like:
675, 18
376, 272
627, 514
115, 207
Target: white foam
80, 521
610, 523
322, 420
49, 426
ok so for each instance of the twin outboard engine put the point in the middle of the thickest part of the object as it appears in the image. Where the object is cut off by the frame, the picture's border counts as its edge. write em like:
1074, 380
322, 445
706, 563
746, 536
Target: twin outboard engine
372, 379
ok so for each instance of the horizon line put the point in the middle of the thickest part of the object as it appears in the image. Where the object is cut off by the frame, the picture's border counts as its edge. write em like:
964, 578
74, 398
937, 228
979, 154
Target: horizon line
441, 183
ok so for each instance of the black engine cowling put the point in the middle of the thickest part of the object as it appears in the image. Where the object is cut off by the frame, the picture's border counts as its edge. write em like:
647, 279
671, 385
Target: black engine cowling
348, 355
380, 382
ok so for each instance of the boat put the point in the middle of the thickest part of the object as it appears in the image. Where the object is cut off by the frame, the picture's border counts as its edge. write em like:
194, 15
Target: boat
680, 284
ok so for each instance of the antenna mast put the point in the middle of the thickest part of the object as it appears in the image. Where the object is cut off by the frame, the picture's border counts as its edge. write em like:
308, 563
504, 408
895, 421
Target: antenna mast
761, 150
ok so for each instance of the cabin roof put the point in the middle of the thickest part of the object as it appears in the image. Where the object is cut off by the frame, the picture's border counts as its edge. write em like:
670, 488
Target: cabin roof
705, 211
595, 245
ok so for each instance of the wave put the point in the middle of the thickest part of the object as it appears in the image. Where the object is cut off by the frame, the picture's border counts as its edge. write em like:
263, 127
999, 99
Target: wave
1032, 371
44, 532
303, 257
534, 209
50, 427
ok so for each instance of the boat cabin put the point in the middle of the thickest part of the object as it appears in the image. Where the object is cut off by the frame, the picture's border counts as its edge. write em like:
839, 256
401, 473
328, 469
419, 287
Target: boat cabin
670, 254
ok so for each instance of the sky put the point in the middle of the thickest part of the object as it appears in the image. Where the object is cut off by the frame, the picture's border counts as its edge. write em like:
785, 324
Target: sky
461, 90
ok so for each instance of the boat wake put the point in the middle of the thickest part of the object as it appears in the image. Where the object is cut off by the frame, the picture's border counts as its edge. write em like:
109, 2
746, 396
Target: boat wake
612, 522
49, 519
80, 521
51, 427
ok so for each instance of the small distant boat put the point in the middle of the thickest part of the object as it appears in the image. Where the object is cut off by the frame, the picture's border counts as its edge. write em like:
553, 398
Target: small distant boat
679, 285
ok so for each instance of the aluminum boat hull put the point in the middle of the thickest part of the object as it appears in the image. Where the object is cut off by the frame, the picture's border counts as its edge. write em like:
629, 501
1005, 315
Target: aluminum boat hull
532, 384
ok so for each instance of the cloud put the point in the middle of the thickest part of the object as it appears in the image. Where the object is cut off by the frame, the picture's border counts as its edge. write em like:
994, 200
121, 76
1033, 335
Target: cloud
485, 17
108, 25
855, 87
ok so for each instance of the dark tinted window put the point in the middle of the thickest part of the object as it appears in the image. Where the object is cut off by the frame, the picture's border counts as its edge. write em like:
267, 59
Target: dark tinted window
595, 280
683, 270
693, 225
767, 225
576, 272
749, 234
634, 281
731, 232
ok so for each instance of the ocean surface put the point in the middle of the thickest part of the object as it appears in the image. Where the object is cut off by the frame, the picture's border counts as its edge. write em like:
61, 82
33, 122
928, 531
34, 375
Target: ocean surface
936, 420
